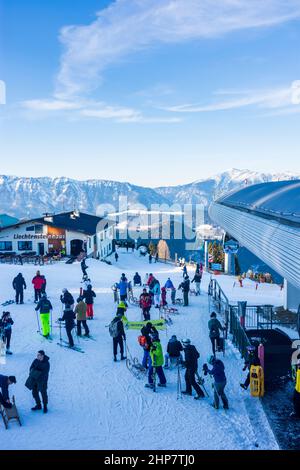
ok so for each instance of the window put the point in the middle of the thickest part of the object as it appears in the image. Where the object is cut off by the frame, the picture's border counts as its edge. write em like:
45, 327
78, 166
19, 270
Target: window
30, 229
39, 228
5, 246
25, 246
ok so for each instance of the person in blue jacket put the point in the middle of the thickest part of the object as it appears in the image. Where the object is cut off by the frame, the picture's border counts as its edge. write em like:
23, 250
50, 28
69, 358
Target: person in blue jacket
123, 287
169, 284
220, 381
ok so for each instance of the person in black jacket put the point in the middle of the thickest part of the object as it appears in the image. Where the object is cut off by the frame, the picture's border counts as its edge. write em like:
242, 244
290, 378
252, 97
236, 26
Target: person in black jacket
6, 323
67, 299
191, 365
174, 349
119, 336
84, 267
185, 286
197, 280
89, 296
44, 307
251, 360
69, 317
137, 280
39, 373
19, 285
5, 382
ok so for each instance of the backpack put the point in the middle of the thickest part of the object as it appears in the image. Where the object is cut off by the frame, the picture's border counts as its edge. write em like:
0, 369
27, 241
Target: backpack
142, 341
113, 329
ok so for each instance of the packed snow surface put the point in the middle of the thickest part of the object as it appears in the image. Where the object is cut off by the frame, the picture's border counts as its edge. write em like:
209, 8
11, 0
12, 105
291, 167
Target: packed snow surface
95, 403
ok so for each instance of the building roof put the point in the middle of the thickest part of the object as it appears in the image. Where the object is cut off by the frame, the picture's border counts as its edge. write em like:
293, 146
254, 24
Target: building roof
75, 221
6, 220
278, 201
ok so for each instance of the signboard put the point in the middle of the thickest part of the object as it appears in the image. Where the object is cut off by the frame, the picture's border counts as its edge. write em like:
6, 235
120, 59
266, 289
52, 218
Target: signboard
216, 267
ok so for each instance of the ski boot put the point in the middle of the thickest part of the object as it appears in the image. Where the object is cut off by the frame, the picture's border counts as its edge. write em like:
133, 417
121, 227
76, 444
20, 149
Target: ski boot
149, 386
36, 408
8, 352
244, 386
45, 409
187, 393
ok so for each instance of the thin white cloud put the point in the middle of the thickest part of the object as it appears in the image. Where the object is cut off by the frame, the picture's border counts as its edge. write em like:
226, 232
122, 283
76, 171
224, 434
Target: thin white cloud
270, 99
128, 26
50, 105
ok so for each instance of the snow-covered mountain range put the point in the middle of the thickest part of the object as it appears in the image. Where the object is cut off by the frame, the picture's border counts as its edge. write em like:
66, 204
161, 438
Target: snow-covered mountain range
29, 197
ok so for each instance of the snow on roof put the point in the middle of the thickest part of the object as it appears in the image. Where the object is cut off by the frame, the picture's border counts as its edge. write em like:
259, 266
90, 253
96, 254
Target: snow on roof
277, 200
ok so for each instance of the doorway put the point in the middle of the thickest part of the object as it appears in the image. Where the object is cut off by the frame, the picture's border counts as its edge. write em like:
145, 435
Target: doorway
76, 247
41, 249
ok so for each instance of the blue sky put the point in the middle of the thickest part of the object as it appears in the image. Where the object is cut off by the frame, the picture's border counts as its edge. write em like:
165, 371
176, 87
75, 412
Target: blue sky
155, 92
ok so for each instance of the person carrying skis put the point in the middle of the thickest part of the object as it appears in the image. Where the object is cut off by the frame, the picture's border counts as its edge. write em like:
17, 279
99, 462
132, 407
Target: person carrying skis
214, 332
66, 298
218, 373
251, 360
116, 331
44, 307
68, 317
174, 349
145, 304
80, 310
5, 382
6, 323
38, 282
137, 280
89, 296
157, 362
191, 364
197, 280
146, 333
185, 286
37, 381
19, 285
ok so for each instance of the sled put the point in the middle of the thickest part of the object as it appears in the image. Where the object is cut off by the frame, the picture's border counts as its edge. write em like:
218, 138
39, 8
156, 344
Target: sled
10, 414
257, 387
133, 300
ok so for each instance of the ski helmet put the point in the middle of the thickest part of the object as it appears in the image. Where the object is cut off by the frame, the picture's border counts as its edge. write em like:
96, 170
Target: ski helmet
186, 342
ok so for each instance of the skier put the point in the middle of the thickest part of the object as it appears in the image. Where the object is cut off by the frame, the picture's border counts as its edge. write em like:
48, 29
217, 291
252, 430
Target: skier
123, 286
137, 280
173, 296
145, 341
6, 323
218, 373
44, 307
38, 282
84, 267
150, 258
157, 362
174, 349
185, 286
169, 284
156, 292
68, 317
191, 365
251, 360
67, 298
296, 396
116, 330
164, 302
197, 279
145, 304
185, 272
37, 381
80, 310
116, 257
214, 332
19, 285
89, 296
5, 382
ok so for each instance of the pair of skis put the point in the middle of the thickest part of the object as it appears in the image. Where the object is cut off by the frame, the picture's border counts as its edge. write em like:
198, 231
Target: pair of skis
65, 344
8, 302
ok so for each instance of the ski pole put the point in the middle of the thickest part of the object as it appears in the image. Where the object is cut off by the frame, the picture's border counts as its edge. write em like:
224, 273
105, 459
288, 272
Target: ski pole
179, 389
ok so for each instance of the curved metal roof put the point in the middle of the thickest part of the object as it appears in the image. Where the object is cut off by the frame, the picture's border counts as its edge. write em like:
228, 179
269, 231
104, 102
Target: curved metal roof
278, 201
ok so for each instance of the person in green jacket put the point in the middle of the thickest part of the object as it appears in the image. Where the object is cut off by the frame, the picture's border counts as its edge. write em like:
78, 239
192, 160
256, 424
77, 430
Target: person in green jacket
214, 332
157, 362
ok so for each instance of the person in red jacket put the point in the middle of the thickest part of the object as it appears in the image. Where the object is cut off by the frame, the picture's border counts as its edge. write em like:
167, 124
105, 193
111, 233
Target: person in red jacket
145, 304
38, 282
